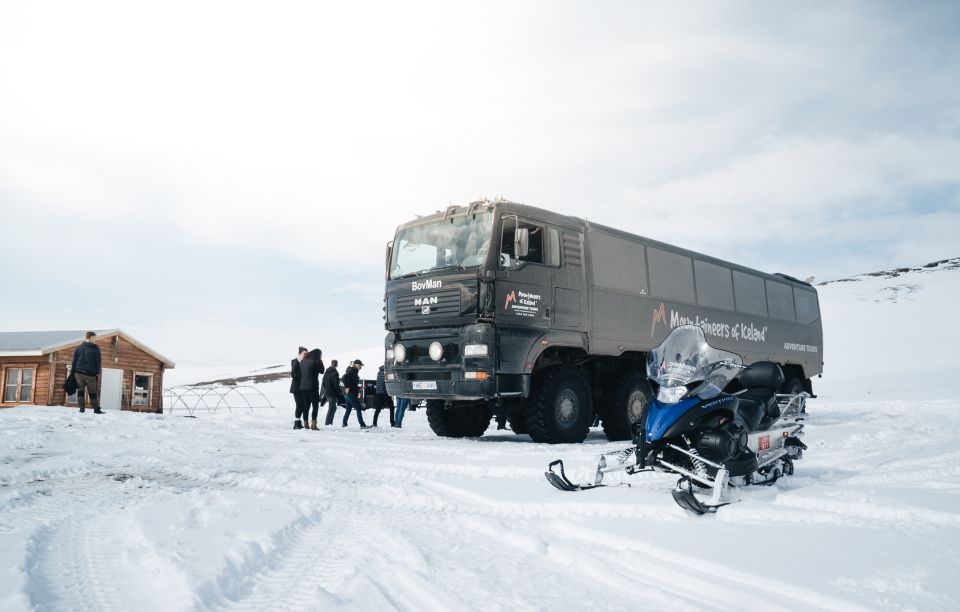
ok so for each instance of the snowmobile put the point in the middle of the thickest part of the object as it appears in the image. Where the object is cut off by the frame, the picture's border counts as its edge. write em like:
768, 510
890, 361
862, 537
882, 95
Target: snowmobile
717, 424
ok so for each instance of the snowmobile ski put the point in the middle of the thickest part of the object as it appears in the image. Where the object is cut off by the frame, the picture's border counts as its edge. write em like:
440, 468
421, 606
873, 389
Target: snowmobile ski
563, 483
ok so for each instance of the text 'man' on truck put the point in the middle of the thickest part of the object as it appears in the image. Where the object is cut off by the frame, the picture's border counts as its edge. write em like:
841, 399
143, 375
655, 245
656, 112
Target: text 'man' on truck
544, 320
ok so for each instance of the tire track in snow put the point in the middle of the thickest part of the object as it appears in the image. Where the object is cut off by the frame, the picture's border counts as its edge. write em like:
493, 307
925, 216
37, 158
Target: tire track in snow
704, 577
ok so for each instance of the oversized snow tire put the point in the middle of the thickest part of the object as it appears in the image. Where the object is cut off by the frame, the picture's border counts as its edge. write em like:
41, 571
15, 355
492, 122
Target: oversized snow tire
628, 404
794, 386
560, 407
460, 420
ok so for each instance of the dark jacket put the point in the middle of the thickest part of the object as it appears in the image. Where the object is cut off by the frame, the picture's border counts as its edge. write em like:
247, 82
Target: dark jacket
381, 383
295, 375
331, 383
310, 370
351, 381
86, 359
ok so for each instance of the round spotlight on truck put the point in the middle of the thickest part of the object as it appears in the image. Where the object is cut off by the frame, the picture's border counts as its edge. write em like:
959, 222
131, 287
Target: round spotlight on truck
399, 353
436, 351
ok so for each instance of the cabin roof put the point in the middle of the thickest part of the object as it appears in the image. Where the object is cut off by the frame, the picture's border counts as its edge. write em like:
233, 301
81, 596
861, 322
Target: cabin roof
38, 343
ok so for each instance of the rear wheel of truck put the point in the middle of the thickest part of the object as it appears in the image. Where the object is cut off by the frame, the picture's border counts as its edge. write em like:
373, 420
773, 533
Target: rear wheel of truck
628, 405
560, 408
458, 419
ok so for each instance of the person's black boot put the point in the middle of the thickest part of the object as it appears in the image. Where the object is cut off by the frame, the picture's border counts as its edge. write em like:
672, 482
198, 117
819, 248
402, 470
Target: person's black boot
297, 424
82, 410
97, 411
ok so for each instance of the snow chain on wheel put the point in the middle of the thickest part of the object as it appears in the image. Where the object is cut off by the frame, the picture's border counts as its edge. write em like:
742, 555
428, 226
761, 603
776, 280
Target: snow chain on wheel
628, 405
459, 419
560, 407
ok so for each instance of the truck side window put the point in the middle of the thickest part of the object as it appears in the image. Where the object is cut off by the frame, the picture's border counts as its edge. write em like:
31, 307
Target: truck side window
554, 257
535, 251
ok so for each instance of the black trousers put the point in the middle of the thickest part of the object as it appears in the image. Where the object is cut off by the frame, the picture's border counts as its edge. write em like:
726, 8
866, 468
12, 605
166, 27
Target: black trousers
298, 398
311, 397
383, 402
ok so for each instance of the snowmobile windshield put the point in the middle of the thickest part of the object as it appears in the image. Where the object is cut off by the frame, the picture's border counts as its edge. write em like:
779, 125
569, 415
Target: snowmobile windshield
456, 243
686, 357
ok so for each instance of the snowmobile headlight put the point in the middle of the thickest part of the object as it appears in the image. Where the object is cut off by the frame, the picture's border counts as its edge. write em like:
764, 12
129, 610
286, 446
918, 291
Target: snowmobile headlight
436, 351
399, 353
476, 350
671, 395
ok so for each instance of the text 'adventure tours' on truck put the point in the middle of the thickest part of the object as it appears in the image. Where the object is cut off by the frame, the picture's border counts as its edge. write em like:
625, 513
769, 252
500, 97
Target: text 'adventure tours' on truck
544, 320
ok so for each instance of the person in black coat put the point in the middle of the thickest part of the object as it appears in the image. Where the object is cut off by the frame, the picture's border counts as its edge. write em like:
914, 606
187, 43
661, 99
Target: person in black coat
86, 371
351, 388
295, 385
330, 389
310, 370
383, 399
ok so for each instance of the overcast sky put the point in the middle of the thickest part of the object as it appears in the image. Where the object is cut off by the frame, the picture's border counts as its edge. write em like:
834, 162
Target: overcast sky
220, 178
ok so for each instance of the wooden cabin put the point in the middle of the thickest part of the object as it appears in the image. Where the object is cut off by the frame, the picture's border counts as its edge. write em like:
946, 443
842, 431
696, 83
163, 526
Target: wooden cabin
35, 365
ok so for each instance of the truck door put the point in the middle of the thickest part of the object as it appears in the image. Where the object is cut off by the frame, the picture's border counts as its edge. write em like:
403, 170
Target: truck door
525, 291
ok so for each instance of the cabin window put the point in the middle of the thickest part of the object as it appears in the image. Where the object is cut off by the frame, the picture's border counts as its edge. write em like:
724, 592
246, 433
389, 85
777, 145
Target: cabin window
807, 309
618, 264
671, 275
749, 294
780, 300
18, 385
142, 384
714, 285
535, 251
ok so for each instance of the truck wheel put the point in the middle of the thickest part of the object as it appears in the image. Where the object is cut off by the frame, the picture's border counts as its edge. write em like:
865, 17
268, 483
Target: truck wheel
628, 405
517, 422
559, 408
458, 420
794, 386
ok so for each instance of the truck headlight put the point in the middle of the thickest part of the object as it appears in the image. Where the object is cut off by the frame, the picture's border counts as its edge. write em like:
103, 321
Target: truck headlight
436, 351
399, 353
476, 350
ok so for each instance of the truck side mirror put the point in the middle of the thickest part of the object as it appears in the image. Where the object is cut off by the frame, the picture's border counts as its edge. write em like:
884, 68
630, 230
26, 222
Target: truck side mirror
521, 243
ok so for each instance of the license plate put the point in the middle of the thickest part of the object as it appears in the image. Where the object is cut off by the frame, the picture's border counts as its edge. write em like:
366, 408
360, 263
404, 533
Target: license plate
424, 385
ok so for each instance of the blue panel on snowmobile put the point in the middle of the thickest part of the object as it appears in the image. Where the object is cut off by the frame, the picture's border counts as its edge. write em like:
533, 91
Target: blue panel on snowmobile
661, 416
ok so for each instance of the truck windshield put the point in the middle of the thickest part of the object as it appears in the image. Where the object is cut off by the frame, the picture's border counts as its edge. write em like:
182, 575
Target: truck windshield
458, 242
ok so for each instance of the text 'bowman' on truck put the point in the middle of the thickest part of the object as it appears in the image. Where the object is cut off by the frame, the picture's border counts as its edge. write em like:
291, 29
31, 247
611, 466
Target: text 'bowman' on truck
497, 308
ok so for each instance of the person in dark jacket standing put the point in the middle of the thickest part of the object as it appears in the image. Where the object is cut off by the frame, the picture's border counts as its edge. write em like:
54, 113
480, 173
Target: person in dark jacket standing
383, 400
86, 370
310, 370
351, 387
295, 385
330, 389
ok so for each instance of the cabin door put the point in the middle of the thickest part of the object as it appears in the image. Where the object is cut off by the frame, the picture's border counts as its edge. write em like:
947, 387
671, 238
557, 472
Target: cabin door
111, 388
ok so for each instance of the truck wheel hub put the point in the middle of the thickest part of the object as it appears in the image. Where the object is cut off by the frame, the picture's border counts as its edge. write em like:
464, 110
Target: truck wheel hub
567, 407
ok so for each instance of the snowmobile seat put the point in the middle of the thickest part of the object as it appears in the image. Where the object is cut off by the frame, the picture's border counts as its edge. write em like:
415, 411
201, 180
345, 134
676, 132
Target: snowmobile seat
758, 403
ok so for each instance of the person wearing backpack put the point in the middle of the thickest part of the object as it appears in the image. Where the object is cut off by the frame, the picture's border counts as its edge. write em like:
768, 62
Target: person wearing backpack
330, 389
383, 399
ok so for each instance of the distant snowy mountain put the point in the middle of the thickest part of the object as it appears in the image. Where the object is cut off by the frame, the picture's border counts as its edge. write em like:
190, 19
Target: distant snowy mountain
892, 333
887, 333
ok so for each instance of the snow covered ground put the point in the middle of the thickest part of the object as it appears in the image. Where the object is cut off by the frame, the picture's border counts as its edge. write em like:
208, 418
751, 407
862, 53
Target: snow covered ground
235, 511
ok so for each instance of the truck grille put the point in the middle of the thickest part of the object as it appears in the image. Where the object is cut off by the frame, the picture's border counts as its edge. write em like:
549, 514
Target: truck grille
435, 304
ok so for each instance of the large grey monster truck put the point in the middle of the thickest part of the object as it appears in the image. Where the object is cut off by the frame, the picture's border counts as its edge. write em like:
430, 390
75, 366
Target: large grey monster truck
544, 320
